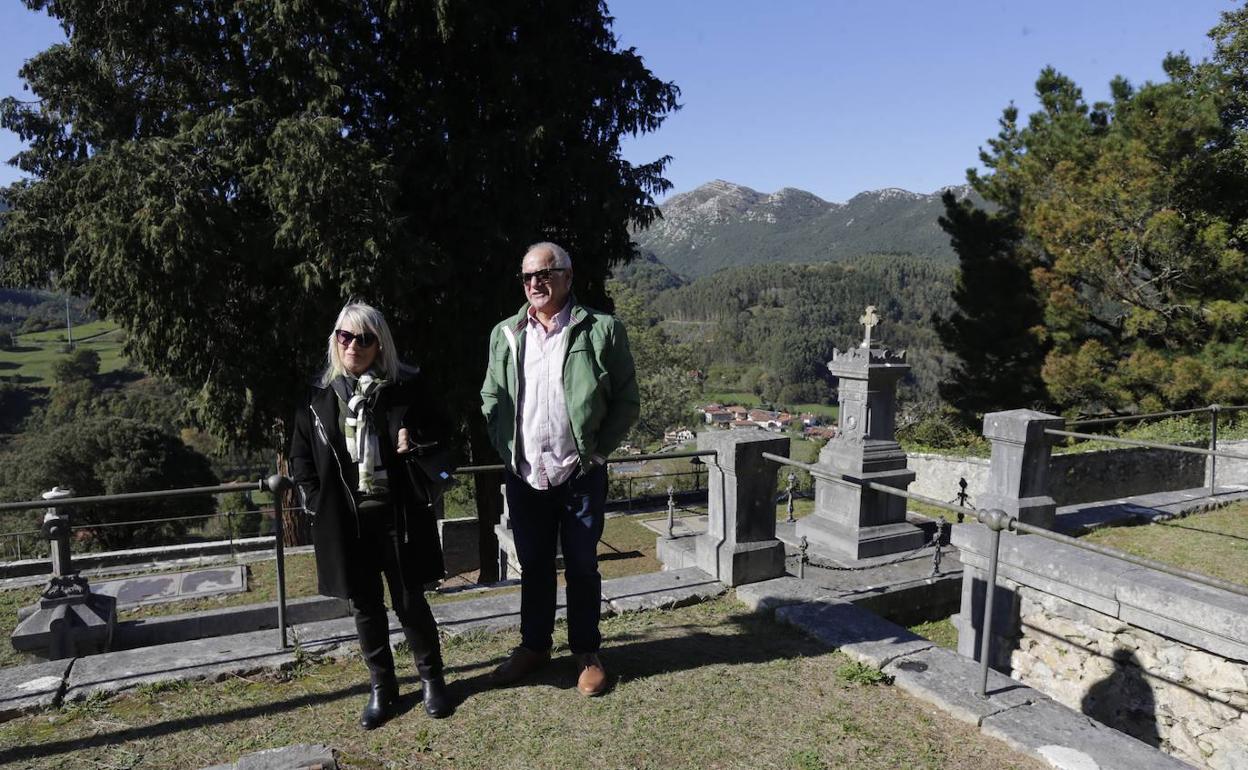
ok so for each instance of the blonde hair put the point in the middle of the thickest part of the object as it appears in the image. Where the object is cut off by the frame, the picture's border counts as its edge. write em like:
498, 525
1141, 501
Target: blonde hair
364, 317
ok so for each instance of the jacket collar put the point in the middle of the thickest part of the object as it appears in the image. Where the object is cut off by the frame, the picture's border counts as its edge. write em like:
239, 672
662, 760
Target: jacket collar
579, 312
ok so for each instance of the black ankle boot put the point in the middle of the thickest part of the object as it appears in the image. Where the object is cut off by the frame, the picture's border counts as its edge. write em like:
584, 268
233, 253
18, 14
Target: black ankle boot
381, 702
437, 699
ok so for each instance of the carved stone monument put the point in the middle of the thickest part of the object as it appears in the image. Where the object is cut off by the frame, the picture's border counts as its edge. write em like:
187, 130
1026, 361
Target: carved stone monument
852, 522
68, 620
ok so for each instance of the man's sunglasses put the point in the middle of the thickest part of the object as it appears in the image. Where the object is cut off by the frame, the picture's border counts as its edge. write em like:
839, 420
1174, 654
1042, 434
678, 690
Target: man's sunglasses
542, 276
345, 338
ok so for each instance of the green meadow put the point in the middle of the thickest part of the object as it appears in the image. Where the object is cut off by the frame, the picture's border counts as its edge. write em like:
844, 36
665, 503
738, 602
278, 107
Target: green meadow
30, 363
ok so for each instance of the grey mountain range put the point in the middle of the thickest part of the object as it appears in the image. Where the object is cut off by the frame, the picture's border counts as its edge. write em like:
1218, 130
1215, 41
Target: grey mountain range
721, 225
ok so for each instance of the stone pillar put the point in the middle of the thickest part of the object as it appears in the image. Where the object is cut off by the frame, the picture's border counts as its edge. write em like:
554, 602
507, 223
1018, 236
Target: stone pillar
1018, 477
740, 544
851, 522
974, 544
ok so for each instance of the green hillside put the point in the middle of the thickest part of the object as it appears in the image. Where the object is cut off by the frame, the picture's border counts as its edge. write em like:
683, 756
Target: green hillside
30, 363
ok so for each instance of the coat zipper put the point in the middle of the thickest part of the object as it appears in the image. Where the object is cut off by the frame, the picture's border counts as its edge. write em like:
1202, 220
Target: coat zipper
320, 431
515, 389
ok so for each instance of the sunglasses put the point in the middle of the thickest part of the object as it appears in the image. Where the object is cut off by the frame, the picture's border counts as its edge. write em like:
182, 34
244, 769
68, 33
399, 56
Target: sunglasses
541, 276
345, 338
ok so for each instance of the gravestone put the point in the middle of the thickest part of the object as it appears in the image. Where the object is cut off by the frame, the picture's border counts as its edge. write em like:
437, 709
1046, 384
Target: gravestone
850, 522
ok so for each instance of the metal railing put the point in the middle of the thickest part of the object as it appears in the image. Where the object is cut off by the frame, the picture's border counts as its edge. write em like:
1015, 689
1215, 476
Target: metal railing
822, 472
1213, 410
275, 484
997, 521
618, 460
229, 516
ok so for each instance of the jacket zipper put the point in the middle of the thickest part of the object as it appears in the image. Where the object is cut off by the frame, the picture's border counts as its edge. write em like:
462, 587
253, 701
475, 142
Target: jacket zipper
567, 345
515, 389
320, 431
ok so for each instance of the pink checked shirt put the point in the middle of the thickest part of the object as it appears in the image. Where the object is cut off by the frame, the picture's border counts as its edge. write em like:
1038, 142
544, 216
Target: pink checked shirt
548, 457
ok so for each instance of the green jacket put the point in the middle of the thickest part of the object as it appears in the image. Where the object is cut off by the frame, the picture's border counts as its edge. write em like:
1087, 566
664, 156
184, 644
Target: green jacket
599, 383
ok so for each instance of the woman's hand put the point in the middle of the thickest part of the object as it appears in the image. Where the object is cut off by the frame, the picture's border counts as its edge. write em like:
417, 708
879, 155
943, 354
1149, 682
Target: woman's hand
403, 446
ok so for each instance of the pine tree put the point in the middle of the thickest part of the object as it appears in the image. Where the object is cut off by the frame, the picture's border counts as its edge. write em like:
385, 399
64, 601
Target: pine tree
993, 330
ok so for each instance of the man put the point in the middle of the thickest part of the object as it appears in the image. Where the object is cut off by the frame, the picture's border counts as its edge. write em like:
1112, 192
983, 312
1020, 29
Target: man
559, 395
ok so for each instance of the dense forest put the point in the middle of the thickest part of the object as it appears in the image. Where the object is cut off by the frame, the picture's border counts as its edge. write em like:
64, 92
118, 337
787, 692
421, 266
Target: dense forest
777, 325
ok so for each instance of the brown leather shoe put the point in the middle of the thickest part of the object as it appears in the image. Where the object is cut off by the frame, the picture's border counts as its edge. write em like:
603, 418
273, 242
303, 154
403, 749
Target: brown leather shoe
518, 665
593, 678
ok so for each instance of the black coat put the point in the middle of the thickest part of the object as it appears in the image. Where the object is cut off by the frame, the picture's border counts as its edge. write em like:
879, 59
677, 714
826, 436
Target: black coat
321, 468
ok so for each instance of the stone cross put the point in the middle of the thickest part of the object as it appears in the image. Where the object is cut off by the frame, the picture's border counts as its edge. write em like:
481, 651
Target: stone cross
869, 320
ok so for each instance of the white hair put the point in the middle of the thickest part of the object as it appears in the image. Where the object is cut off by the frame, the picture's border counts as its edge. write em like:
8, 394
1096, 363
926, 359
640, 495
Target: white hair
363, 317
561, 256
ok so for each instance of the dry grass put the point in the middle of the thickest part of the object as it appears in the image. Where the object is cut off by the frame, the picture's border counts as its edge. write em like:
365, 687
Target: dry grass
708, 686
1214, 543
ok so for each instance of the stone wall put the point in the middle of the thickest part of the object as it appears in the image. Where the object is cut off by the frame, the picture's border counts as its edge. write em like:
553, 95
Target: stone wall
1190, 703
1232, 471
1162, 658
1083, 477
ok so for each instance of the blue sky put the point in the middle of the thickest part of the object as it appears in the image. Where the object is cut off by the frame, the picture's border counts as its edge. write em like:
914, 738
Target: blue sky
838, 96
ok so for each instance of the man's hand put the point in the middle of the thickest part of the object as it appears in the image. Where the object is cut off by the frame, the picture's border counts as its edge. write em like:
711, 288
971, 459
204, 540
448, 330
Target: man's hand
403, 447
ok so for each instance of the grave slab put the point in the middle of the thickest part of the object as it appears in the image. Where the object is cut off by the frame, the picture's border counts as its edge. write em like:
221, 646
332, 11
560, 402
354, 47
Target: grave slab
951, 682
862, 635
675, 588
211, 659
300, 756
494, 613
31, 687
173, 586
778, 592
1069, 740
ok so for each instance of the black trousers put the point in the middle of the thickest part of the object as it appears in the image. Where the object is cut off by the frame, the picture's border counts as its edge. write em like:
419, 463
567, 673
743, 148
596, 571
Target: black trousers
381, 545
572, 515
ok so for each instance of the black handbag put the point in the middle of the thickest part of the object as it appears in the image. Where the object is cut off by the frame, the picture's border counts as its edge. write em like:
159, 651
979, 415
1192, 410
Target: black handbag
431, 467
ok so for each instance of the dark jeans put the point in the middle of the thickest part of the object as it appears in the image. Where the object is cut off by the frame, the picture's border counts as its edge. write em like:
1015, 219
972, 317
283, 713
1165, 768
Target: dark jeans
381, 544
570, 514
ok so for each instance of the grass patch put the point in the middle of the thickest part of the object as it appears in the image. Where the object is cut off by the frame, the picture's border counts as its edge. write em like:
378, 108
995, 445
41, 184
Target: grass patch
1213, 543
703, 686
31, 362
856, 672
942, 632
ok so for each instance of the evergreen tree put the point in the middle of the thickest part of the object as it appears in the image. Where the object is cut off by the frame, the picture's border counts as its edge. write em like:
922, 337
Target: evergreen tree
993, 330
1131, 216
220, 176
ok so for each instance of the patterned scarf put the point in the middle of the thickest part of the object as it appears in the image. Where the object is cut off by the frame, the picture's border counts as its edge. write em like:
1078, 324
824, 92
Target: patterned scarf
361, 432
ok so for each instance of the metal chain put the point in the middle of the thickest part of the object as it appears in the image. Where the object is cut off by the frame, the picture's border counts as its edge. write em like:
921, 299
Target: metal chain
820, 564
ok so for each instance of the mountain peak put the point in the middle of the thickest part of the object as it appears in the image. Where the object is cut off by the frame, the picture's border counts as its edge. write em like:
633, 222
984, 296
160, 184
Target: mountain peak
721, 224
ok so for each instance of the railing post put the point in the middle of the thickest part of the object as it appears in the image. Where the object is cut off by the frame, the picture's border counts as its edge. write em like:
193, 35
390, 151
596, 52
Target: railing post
671, 512
994, 520
1018, 475
789, 504
740, 544
1213, 447
278, 484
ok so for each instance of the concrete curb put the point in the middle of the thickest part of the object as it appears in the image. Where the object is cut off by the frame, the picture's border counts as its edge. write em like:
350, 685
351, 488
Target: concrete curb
38, 686
1026, 719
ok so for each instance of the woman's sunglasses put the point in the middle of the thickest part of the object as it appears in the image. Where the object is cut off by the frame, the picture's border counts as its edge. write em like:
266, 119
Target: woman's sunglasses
345, 338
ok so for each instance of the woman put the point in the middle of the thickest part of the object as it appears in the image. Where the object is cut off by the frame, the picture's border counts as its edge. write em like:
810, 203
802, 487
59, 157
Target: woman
353, 457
